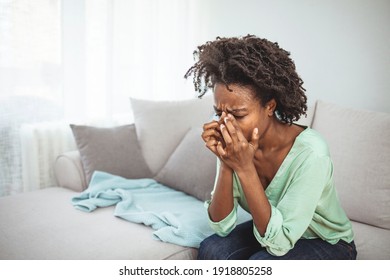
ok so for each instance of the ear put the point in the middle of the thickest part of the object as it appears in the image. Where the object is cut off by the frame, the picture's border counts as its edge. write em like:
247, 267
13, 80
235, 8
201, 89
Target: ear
270, 107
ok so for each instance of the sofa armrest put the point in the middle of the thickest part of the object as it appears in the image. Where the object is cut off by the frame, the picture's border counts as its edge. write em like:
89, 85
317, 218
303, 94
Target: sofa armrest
69, 171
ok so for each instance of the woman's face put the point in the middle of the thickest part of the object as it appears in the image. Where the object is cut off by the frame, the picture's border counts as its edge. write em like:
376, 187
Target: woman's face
242, 103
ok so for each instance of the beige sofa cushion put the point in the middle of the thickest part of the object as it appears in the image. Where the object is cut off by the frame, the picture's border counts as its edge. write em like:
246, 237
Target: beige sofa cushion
191, 168
162, 124
359, 143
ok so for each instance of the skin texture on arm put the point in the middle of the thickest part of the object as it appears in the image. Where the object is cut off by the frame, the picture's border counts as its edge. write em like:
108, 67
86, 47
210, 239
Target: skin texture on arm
222, 202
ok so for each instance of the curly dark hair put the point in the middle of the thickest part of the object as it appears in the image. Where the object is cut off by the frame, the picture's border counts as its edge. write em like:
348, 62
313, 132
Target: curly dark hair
252, 62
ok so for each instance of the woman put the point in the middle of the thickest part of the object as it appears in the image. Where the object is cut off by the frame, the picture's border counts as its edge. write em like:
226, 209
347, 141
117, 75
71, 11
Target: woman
280, 172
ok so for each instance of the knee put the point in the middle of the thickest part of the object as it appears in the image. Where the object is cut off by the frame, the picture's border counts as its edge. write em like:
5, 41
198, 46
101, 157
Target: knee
210, 248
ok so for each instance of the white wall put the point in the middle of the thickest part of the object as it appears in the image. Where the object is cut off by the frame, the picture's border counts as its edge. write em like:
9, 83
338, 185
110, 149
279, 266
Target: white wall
341, 47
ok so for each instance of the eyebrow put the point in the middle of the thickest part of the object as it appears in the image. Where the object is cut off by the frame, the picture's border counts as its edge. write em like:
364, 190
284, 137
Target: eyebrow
237, 110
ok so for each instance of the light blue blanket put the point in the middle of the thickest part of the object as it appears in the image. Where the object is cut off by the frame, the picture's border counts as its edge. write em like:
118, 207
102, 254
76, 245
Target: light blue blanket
175, 216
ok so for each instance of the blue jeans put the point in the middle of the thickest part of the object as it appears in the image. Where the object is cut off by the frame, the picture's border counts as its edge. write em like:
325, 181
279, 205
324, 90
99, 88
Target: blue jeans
241, 244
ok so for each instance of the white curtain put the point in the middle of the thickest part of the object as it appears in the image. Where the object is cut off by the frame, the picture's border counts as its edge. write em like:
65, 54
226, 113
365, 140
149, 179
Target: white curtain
116, 49
79, 60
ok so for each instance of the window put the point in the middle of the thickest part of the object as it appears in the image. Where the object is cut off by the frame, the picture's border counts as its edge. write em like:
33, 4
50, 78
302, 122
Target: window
78, 60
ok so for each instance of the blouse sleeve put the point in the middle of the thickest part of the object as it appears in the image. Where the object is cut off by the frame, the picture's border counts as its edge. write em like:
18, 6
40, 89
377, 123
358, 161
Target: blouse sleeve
293, 212
225, 226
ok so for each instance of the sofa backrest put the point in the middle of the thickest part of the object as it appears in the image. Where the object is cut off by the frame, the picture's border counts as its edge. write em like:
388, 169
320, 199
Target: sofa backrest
161, 125
359, 143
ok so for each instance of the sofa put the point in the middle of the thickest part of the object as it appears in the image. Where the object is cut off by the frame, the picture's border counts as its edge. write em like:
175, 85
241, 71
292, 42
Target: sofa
163, 143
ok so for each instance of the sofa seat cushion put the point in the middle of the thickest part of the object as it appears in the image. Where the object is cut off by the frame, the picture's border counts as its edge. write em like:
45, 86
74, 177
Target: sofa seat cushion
44, 225
372, 243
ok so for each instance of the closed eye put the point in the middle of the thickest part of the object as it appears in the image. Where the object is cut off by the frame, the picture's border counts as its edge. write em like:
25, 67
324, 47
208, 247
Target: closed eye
238, 113
217, 116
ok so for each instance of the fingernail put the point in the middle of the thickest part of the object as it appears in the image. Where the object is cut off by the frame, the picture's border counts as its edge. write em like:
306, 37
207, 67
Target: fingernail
222, 126
256, 130
226, 119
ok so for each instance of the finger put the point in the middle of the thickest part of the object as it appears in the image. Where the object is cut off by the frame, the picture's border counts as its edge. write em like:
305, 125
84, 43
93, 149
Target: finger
211, 125
220, 150
235, 129
226, 137
231, 129
211, 133
212, 146
212, 142
222, 117
255, 139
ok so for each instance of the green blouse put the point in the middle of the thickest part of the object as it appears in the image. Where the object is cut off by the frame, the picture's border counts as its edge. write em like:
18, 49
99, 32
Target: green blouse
303, 198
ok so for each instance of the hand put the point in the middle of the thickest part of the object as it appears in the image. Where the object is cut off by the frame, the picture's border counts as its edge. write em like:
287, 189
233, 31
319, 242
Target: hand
212, 135
237, 153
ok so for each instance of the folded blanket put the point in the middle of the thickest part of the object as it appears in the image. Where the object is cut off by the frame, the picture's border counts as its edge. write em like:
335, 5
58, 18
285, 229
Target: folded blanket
175, 216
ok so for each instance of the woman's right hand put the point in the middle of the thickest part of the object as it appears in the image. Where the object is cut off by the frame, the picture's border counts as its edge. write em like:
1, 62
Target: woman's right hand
212, 135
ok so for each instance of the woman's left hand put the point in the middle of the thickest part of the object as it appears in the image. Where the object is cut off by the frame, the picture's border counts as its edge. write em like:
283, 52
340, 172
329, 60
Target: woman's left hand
238, 153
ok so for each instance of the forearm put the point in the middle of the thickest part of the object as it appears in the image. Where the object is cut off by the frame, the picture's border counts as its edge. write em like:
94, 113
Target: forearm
258, 203
222, 202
